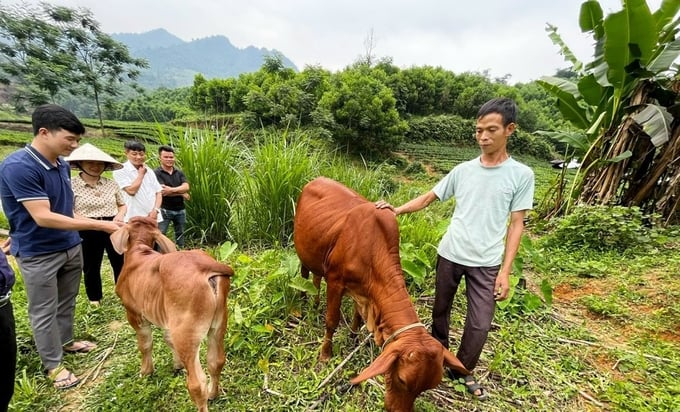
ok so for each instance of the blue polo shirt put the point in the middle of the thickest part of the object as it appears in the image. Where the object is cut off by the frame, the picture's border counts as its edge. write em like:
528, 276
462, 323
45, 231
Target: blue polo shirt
26, 175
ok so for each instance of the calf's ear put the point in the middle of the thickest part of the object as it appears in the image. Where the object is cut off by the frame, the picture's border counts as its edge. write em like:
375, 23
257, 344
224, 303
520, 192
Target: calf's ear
164, 244
453, 362
119, 240
380, 365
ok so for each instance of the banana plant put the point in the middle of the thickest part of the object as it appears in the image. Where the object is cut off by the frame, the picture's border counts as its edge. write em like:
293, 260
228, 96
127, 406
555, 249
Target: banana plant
634, 47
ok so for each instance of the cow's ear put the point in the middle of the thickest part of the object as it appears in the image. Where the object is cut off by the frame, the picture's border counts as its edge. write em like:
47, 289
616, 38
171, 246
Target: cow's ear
164, 244
380, 365
119, 240
453, 362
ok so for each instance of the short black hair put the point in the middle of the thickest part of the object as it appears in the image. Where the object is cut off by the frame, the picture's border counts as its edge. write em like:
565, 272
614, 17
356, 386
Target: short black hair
53, 117
135, 146
165, 148
504, 106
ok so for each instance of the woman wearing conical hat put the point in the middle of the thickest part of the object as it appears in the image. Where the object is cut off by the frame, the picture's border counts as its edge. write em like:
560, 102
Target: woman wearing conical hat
99, 198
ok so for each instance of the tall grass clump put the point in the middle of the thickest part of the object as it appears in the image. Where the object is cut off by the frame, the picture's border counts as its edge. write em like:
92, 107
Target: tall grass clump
372, 183
212, 162
279, 166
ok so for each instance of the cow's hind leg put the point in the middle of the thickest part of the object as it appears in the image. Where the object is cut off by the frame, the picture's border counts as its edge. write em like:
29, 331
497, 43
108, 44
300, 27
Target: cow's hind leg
357, 322
176, 361
187, 341
216, 357
144, 341
334, 299
218, 329
304, 271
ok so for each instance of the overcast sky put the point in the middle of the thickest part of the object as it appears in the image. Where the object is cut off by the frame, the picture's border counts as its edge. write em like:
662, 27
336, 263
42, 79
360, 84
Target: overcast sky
501, 36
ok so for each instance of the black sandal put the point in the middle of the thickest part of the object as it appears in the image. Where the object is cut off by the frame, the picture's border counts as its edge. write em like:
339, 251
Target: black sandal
473, 386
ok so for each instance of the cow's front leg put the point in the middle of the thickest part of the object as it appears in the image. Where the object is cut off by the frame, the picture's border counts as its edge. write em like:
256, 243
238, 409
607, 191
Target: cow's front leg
334, 299
144, 340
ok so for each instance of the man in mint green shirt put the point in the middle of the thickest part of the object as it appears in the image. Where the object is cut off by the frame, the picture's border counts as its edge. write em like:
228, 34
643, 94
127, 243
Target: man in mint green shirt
480, 244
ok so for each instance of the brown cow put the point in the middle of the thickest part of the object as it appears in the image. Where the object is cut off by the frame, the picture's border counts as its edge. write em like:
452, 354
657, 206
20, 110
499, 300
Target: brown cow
185, 293
342, 237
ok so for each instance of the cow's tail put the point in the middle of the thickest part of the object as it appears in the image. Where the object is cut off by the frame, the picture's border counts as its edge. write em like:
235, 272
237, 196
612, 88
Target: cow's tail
221, 284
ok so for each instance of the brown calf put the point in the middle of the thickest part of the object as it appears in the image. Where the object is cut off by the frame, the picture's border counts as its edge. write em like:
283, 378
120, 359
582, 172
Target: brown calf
343, 238
184, 292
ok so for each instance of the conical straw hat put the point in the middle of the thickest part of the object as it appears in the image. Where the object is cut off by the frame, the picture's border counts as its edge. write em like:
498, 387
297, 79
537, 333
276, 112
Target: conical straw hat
93, 154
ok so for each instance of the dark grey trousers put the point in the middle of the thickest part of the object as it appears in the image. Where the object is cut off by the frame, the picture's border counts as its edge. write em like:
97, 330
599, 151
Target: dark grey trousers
481, 305
52, 282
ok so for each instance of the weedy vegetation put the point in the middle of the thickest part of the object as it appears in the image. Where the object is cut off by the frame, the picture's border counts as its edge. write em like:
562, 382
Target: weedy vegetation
592, 324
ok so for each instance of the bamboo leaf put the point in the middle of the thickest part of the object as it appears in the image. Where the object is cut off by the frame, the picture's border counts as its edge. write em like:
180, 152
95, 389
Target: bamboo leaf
567, 99
655, 121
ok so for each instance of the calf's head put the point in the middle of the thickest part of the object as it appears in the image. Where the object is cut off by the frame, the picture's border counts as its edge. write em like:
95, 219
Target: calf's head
411, 365
141, 230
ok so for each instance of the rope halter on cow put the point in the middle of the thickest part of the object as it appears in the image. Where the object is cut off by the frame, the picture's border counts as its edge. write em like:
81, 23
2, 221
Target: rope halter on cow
399, 331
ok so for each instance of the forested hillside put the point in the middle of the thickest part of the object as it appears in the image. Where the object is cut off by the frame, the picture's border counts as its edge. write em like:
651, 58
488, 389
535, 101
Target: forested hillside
174, 62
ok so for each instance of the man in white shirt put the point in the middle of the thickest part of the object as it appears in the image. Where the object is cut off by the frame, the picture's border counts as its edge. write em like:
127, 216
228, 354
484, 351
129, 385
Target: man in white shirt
141, 190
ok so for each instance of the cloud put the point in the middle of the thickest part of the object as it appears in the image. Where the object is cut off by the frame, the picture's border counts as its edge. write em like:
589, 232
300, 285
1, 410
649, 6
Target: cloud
501, 36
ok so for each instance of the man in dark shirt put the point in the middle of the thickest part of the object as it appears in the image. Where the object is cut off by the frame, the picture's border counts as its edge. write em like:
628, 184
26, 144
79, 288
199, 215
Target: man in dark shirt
175, 191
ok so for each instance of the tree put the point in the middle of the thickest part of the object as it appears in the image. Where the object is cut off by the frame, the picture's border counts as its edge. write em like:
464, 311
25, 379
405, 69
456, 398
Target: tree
31, 56
359, 109
100, 64
623, 103
55, 49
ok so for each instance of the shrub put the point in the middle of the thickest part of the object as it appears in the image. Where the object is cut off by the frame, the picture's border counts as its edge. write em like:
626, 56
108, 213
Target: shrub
602, 229
527, 144
443, 128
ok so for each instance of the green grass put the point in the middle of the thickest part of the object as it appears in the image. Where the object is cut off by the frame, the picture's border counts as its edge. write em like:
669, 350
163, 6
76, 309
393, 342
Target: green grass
609, 342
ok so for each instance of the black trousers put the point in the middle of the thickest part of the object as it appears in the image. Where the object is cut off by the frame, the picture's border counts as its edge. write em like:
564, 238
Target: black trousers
8, 355
94, 244
479, 284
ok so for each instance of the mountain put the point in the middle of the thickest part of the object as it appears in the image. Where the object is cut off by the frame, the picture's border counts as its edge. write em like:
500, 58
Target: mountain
174, 62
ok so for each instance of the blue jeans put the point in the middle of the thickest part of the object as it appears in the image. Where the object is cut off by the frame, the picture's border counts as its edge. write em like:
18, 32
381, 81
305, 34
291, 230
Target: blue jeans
178, 219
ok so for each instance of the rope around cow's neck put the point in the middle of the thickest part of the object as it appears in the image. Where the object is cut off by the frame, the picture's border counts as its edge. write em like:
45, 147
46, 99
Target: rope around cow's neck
397, 332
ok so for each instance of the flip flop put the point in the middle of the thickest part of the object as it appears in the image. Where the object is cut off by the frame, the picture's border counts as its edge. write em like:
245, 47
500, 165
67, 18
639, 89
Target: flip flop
69, 381
82, 346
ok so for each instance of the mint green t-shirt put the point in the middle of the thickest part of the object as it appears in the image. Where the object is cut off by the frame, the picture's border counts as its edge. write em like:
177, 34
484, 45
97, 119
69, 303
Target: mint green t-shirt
485, 197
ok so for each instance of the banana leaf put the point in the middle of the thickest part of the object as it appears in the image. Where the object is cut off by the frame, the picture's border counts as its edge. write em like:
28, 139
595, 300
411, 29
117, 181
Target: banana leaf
656, 122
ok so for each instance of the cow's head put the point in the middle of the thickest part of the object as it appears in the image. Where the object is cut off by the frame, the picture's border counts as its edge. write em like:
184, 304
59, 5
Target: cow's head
411, 364
141, 230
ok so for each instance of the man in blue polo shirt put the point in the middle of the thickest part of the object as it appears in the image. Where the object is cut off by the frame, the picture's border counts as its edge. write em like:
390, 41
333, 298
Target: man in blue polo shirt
35, 187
